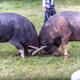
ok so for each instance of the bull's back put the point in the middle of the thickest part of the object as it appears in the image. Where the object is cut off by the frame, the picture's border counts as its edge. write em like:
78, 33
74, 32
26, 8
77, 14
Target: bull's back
73, 18
15, 27
67, 21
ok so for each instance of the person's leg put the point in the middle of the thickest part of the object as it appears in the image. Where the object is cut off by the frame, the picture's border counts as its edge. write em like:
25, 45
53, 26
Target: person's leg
46, 15
52, 12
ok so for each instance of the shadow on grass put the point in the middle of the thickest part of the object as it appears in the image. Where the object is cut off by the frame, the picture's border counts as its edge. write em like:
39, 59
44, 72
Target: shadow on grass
5, 54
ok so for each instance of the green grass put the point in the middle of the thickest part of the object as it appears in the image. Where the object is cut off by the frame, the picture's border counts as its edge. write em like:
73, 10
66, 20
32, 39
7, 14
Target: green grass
38, 67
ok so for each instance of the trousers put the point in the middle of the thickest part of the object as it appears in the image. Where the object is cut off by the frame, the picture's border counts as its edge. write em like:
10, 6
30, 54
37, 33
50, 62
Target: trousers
48, 13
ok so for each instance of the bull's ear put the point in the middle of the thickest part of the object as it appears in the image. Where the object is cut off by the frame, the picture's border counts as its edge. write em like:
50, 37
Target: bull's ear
57, 41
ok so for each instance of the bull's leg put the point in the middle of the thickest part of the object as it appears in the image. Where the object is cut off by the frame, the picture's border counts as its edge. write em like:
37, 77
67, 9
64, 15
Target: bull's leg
22, 53
64, 49
65, 40
19, 47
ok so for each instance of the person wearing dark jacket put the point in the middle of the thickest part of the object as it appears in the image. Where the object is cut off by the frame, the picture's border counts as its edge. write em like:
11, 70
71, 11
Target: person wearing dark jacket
49, 10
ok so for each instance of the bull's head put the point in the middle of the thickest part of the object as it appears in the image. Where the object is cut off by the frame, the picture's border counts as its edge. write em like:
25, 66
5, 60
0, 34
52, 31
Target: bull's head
52, 50
51, 47
48, 48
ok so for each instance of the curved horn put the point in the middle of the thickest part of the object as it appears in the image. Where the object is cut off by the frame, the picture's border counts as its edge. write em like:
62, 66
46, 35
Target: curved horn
39, 49
33, 47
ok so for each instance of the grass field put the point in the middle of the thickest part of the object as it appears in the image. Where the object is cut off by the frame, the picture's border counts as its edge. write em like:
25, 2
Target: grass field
38, 67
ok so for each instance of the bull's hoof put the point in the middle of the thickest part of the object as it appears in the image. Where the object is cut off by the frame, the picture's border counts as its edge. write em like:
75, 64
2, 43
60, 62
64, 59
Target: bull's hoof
66, 56
19, 56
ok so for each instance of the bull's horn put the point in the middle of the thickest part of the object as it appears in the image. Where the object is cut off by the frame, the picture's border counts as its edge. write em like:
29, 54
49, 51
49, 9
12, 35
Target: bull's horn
39, 49
33, 47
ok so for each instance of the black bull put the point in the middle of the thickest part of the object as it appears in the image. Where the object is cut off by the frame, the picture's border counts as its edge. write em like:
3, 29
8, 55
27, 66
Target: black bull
59, 30
18, 31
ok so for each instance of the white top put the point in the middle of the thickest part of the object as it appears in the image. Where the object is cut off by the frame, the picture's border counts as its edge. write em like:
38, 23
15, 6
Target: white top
48, 3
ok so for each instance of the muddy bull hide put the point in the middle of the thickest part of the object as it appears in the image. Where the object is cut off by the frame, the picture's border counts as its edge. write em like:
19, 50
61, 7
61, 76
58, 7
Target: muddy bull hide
59, 30
18, 31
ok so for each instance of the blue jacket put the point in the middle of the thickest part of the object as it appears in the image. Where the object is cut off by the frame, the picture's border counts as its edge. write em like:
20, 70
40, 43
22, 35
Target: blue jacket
48, 3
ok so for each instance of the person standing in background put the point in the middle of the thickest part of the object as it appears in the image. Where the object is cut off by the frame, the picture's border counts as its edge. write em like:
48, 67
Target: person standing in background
49, 10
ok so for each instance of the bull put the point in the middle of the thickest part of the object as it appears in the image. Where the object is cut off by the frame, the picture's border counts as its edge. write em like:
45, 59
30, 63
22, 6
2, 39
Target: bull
18, 31
62, 28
